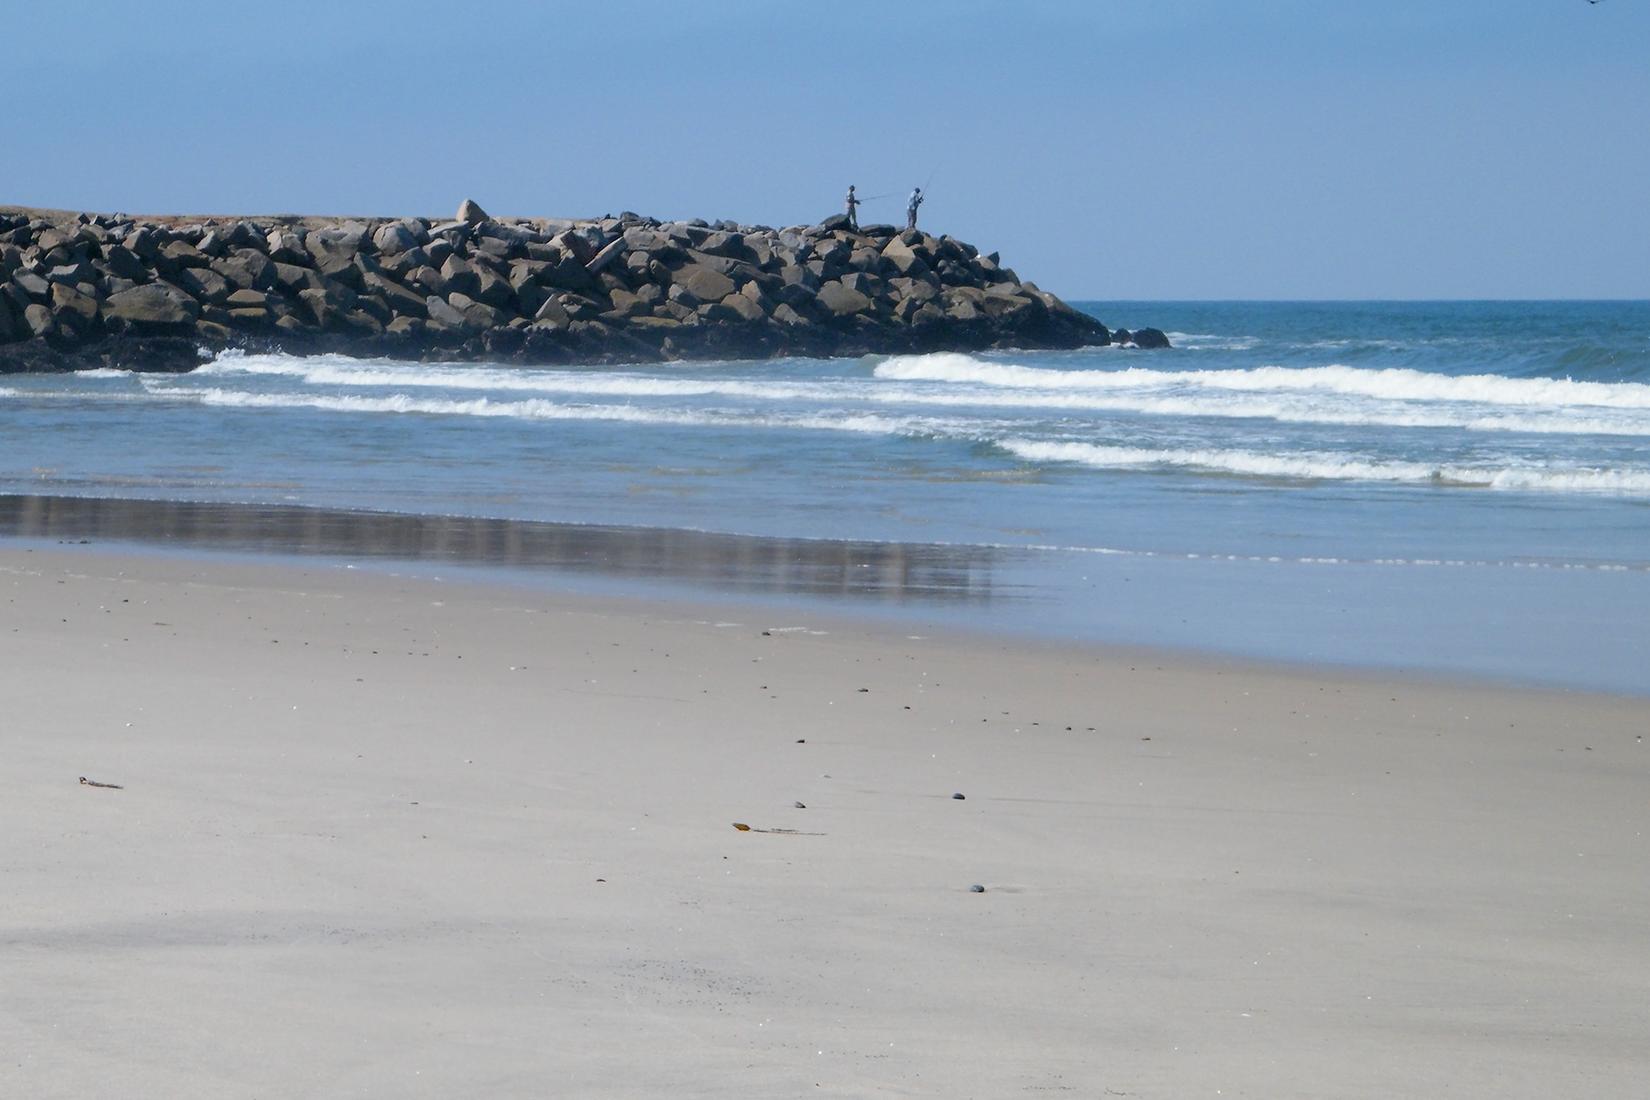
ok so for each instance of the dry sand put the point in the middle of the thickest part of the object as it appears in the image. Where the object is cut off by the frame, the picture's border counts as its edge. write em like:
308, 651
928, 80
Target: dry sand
404, 838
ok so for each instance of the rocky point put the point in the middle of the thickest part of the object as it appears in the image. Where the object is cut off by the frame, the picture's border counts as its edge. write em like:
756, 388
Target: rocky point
163, 293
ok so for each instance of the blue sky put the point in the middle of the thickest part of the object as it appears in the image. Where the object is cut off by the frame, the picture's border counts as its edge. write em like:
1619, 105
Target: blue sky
1128, 149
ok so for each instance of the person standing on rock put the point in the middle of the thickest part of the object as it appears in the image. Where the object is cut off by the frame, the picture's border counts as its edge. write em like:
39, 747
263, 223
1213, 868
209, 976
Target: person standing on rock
911, 208
853, 208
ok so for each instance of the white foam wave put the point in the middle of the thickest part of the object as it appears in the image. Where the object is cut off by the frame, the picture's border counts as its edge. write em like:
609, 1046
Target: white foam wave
103, 372
1317, 466
979, 384
337, 370
1209, 341
542, 409
1399, 384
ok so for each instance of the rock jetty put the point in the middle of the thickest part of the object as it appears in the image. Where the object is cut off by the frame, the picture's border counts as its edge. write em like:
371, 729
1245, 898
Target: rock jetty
162, 293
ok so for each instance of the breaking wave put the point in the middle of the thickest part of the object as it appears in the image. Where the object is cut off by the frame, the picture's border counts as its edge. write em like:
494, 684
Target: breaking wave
1309, 466
1395, 383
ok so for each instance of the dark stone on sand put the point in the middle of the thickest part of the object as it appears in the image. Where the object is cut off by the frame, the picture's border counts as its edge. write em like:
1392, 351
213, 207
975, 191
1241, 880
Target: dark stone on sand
958, 796
976, 889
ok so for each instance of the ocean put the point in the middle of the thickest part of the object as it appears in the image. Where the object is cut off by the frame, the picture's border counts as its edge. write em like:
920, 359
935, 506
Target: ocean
1456, 488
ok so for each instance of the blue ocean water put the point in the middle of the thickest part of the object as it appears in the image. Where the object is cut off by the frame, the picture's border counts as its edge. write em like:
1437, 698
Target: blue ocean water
1459, 487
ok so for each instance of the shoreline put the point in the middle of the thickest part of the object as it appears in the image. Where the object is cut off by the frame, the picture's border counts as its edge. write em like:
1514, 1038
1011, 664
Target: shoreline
410, 827
1276, 616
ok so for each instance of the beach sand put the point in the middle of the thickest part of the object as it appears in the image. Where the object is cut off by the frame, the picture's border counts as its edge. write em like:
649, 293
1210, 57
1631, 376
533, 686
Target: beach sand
385, 836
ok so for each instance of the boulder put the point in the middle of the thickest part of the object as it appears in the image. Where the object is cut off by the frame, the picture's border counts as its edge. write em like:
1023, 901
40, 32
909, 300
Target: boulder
704, 283
834, 223
478, 315
156, 303
841, 300
333, 250
39, 321
247, 299
324, 312
460, 276
72, 306
1150, 338
626, 304
397, 237
205, 284
899, 254
609, 253
286, 247
247, 269
32, 285
183, 254
744, 307
401, 301
291, 278
551, 313
785, 315
471, 213
124, 263
493, 289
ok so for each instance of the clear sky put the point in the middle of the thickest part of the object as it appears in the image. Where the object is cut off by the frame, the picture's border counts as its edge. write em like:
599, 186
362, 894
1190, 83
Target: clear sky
1108, 148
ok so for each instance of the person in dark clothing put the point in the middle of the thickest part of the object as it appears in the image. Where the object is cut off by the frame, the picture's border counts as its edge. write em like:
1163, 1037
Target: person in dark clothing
853, 208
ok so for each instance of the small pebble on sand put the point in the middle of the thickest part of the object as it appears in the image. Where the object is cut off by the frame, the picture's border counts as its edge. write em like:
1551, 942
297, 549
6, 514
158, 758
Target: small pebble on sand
976, 889
958, 796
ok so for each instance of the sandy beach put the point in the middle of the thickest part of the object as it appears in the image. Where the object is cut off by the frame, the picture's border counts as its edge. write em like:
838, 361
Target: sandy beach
385, 836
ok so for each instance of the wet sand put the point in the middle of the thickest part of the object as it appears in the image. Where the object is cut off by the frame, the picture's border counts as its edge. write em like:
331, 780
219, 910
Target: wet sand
388, 836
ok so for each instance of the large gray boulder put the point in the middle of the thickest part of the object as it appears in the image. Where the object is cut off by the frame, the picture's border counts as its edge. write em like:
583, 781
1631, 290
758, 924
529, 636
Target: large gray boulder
842, 301
442, 315
72, 306
704, 283
39, 320
205, 284
471, 213
153, 304
397, 237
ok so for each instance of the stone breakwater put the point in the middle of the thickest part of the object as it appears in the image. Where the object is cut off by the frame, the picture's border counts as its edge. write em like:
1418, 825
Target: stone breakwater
90, 290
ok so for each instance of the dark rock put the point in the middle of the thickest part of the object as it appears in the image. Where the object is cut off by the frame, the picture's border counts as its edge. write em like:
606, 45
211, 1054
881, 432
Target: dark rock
460, 276
976, 889
124, 262
834, 223
471, 213
1150, 338
247, 269
400, 300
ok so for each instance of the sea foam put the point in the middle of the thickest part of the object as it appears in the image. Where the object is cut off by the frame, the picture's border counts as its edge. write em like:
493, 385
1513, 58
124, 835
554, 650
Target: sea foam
1393, 383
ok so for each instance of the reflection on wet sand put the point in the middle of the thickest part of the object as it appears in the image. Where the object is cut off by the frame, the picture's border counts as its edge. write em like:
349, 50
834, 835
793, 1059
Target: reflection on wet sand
893, 571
